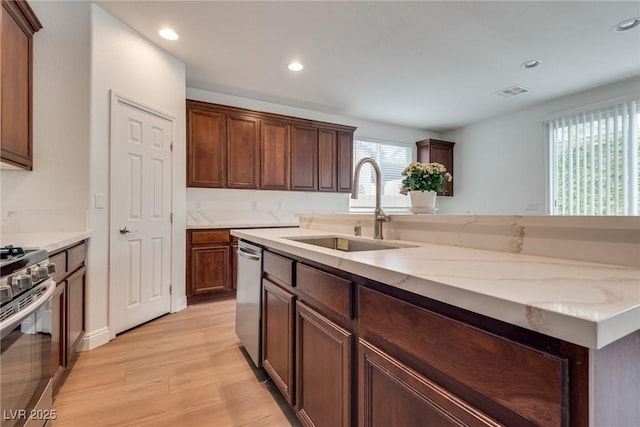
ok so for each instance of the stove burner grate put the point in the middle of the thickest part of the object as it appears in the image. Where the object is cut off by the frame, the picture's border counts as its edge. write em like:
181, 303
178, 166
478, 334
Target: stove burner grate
10, 251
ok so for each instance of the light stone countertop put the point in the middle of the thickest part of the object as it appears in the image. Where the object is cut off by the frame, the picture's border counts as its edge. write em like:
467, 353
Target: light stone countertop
223, 219
585, 303
51, 241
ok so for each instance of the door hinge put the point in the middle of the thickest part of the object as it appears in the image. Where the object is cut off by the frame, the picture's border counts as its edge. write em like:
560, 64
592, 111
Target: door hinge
170, 289
171, 146
171, 217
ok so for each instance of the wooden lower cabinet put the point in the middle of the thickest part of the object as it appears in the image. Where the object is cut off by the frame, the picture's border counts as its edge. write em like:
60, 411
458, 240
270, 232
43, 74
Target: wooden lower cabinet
392, 394
323, 361
211, 264
58, 334
370, 355
75, 311
209, 271
277, 336
67, 308
477, 365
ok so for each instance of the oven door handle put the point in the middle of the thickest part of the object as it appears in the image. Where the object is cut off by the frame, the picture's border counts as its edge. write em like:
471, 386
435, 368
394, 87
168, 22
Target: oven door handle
13, 321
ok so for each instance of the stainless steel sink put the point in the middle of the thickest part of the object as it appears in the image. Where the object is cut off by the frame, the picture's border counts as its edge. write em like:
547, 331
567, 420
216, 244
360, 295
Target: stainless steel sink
345, 244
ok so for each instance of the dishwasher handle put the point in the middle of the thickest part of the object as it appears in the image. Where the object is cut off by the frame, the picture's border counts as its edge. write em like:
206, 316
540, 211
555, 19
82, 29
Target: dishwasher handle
248, 255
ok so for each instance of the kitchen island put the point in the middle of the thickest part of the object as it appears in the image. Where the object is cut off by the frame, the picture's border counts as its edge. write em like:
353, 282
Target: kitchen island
550, 340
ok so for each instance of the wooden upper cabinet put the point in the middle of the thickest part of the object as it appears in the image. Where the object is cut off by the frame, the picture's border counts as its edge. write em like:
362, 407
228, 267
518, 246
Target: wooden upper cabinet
275, 150
327, 160
243, 151
437, 151
229, 147
304, 158
206, 151
345, 161
18, 24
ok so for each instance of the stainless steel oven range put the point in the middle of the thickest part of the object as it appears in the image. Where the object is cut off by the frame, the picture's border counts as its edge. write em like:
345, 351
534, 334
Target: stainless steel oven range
26, 287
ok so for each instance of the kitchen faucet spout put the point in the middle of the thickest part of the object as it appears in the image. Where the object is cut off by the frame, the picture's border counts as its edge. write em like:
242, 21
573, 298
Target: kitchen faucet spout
378, 214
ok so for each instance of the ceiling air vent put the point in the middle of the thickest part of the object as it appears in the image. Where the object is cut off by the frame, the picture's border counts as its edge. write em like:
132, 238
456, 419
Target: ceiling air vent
511, 91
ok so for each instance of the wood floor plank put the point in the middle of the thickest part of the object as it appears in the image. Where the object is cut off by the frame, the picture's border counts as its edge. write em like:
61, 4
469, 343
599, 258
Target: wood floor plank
183, 369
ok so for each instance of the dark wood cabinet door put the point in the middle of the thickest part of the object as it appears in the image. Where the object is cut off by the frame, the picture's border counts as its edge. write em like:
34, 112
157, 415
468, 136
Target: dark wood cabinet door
327, 160
486, 364
18, 24
274, 155
323, 365
75, 311
206, 148
210, 272
277, 336
392, 394
437, 151
243, 151
304, 158
345, 161
58, 327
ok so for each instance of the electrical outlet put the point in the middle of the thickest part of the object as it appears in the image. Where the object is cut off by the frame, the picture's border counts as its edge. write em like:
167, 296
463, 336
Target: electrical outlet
254, 205
531, 207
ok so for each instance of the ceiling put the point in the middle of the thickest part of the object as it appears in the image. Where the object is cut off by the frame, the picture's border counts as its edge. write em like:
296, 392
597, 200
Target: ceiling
432, 65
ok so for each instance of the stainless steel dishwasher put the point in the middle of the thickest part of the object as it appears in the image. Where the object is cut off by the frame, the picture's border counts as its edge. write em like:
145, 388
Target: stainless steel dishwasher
249, 300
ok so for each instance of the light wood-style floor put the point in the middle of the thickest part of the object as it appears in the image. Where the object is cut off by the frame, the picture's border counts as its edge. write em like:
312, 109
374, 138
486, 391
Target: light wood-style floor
183, 369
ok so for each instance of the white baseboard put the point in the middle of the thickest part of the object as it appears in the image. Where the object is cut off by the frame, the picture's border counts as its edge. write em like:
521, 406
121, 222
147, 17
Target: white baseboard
180, 304
94, 339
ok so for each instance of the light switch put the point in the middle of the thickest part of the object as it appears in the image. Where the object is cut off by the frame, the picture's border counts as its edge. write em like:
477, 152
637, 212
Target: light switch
99, 201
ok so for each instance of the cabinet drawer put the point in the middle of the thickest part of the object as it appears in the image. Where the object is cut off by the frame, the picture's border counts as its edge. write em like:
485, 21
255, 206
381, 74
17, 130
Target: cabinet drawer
60, 260
278, 267
209, 236
76, 256
329, 290
488, 364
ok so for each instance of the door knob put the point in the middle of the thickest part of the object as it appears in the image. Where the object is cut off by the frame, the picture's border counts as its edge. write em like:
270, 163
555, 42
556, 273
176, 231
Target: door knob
124, 230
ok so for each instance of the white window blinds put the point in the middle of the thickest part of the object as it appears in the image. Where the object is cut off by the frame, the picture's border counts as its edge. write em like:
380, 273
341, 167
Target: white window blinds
392, 159
594, 161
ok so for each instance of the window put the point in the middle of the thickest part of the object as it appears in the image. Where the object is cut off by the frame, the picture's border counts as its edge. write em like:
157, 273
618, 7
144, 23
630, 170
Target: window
594, 161
392, 159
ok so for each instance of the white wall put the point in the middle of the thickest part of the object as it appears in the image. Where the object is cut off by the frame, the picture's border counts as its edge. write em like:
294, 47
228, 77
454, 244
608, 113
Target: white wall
500, 164
312, 202
124, 61
365, 128
53, 197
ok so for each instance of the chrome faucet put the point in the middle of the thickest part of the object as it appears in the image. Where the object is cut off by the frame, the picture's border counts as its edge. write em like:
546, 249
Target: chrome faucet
378, 214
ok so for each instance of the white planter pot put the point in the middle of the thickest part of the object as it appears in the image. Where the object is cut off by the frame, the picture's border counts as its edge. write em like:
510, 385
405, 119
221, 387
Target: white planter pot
423, 202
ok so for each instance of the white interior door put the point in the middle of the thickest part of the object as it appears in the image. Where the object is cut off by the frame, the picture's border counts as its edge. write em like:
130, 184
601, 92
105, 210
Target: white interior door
140, 220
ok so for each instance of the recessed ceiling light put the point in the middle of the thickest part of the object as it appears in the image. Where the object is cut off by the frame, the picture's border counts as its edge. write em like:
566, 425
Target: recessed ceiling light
295, 66
532, 63
168, 33
627, 24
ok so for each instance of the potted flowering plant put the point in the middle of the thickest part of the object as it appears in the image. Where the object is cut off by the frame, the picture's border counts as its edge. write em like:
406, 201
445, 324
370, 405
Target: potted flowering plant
423, 181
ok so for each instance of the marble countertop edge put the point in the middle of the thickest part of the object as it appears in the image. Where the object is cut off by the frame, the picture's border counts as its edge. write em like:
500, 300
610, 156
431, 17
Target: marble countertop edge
594, 328
50, 241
